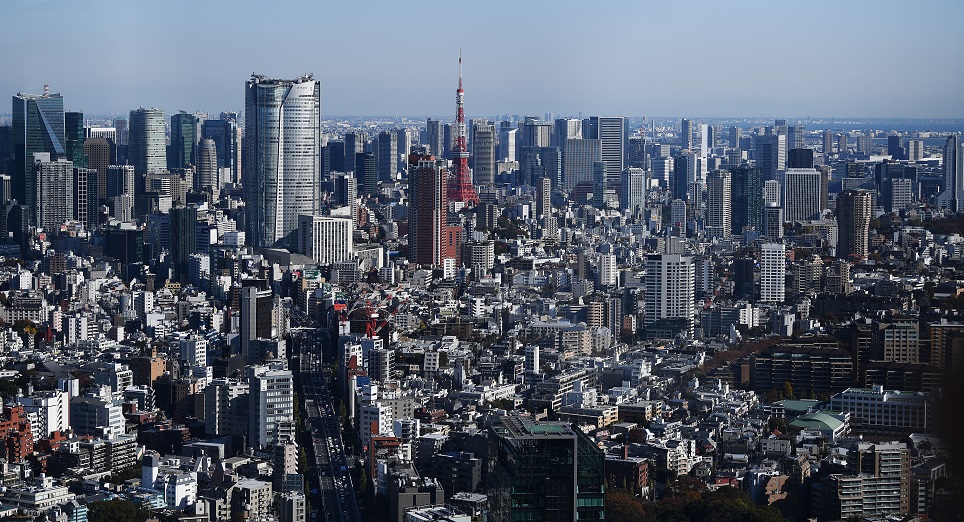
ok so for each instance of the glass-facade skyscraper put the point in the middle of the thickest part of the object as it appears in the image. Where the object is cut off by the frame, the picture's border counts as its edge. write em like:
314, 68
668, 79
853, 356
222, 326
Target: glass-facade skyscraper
282, 156
38, 126
183, 150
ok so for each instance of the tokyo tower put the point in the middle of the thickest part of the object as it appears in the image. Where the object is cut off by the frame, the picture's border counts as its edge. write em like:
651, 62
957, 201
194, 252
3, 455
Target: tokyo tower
460, 185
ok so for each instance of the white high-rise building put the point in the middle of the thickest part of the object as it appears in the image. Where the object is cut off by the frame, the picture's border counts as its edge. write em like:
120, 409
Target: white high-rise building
670, 291
325, 239
771, 192
271, 402
632, 192
194, 351
607, 270
719, 207
282, 160
55, 191
52, 409
773, 271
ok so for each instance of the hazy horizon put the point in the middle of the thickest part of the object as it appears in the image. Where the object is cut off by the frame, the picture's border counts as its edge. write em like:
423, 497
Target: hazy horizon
852, 60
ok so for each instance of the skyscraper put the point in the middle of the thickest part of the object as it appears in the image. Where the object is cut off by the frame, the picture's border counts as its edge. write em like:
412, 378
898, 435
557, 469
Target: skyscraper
147, 150
346, 193
611, 133
773, 271
801, 194
281, 169
54, 191
85, 197
828, 143
632, 193
208, 178
566, 129
434, 137
684, 173
719, 204
38, 126
577, 161
366, 172
483, 153
747, 185
599, 184
773, 221
183, 149
771, 154
99, 154
183, 241
354, 144
686, 134
427, 213
74, 137
119, 180
796, 137
853, 223
670, 294
387, 157
953, 195
535, 133
224, 132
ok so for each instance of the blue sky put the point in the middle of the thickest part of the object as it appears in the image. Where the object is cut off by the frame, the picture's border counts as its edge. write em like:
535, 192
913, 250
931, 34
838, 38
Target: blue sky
851, 58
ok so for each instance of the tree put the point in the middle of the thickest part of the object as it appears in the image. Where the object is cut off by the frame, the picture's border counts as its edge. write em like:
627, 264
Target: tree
788, 390
116, 510
622, 507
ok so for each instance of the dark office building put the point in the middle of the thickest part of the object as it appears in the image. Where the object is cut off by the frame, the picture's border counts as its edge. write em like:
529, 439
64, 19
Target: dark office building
747, 198
800, 159
183, 240
814, 366
366, 172
544, 471
182, 152
224, 132
74, 136
743, 278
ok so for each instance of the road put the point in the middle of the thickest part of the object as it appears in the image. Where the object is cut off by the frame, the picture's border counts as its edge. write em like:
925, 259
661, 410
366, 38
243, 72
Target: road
331, 464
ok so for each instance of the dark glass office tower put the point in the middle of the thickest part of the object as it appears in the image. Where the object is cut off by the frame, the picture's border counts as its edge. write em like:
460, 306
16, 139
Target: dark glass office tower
183, 150
747, 197
74, 136
544, 471
224, 132
38, 126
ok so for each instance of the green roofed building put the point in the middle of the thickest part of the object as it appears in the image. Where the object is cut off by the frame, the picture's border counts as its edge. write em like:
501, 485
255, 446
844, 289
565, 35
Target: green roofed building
833, 425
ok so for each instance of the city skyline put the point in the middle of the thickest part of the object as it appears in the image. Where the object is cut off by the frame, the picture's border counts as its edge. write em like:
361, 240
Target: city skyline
840, 66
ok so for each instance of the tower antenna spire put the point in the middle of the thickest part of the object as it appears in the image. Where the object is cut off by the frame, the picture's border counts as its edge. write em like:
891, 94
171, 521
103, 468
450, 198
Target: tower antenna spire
460, 184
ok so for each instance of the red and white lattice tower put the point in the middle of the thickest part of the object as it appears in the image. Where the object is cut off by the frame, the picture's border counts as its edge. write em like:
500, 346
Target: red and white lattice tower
460, 185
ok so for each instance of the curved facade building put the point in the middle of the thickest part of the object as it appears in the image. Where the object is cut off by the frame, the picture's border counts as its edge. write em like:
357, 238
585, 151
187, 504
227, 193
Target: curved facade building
207, 166
147, 149
282, 160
